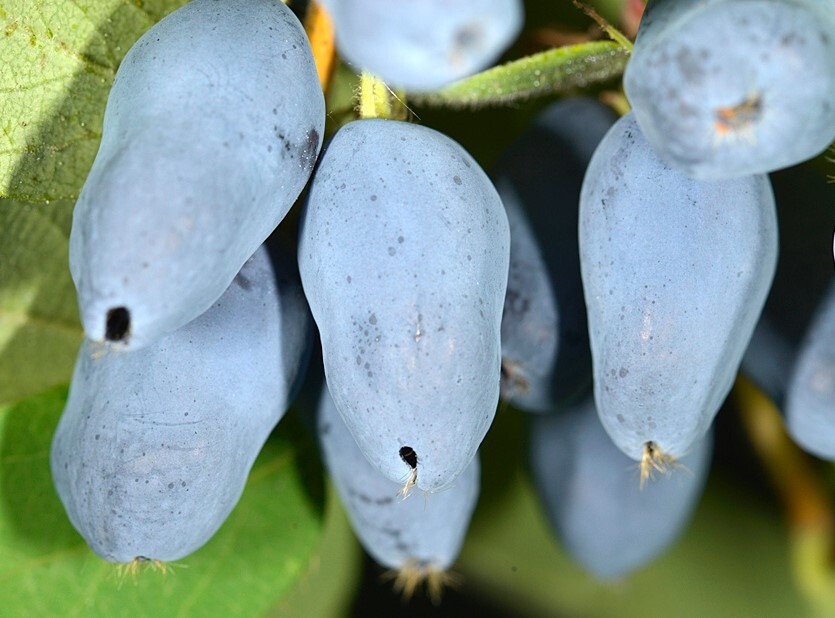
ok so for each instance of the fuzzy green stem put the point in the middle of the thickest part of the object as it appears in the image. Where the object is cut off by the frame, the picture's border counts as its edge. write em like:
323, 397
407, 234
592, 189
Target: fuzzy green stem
557, 70
811, 514
375, 99
616, 35
617, 101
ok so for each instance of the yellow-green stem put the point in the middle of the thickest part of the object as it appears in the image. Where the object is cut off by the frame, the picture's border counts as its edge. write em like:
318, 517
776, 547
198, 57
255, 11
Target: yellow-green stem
375, 97
810, 511
377, 100
617, 101
616, 35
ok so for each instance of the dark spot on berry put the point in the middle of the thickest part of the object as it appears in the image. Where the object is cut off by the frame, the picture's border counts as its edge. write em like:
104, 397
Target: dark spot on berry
117, 325
408, 455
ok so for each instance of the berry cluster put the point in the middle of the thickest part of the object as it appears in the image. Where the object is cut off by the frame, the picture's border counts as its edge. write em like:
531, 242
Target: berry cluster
608, 278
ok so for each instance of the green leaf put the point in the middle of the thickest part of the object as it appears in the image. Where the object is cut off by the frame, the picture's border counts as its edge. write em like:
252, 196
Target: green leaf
46, 569
39, 326
545, 73
57, 62
333, 574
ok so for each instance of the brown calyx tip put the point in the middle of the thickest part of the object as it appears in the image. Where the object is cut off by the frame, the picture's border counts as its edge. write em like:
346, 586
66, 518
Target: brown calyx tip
414, 572
513, 379
410, 458
655, 460
140, 564
739, 117
406, 490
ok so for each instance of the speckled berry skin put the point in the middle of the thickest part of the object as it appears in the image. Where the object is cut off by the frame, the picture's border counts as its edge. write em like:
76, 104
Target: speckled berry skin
211, 130
154, 446
675, 274
727, 88
599, 511
403, 254
397, 532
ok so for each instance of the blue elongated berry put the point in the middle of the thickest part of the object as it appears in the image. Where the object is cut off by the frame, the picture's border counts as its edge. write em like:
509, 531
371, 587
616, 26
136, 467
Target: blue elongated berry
675, 274
403, 255
417, 537
604, 518
803, 275
810, 402
211, 130
154, 446
728, 88
546, 359
424, 45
